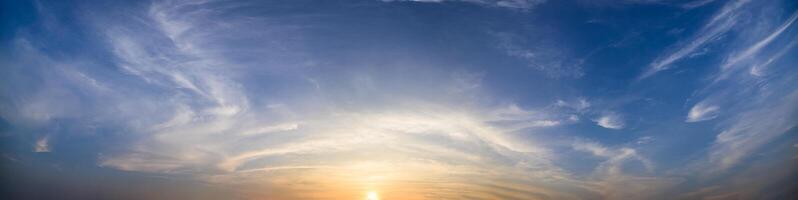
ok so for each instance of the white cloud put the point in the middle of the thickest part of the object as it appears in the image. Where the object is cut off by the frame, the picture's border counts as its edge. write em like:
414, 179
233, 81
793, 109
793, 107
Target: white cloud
754, 49
750, 130
759, 105
212, 127
592, 147
759, 69
573, 118
702, 112
721, 22
696, 4
616, 157
271, 129
545, 123
513, 112
198, 117
761, 43
612, 182
514, 118
610, 121
644, 140
42, 145
513, 4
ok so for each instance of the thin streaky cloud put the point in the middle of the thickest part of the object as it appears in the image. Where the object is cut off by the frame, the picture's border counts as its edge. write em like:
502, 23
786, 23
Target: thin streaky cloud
759, 68
720, 23
759, 45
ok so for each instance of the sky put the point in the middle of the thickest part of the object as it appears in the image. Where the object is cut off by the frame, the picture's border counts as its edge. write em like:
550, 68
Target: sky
399, 99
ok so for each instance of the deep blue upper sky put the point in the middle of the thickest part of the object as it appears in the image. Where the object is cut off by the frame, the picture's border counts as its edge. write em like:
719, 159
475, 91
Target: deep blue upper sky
424, 99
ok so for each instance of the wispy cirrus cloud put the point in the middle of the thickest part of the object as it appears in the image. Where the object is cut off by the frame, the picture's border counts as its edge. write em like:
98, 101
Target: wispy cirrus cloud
211, 126
721, 22
580, 104
761, 111
751, 130
513, 4
615, 157
611, 179
296, 101
547, 58
697, 3
760, 69
755, 48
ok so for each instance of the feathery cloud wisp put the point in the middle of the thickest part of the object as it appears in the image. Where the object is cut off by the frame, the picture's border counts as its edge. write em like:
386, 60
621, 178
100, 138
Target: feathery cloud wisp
702, 112
720, 23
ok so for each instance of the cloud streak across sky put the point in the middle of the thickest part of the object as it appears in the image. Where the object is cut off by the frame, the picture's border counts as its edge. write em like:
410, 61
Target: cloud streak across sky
409, 99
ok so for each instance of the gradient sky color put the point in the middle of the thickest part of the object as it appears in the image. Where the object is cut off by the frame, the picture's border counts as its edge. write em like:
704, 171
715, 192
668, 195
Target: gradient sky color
399, 99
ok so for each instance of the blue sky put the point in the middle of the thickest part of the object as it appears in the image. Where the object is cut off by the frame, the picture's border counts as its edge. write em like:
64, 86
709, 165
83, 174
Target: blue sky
402, 99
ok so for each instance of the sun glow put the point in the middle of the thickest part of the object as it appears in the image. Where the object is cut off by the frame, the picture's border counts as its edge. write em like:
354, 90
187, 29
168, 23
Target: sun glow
372, 195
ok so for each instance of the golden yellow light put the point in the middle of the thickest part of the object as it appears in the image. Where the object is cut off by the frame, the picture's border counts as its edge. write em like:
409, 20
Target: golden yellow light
372, 195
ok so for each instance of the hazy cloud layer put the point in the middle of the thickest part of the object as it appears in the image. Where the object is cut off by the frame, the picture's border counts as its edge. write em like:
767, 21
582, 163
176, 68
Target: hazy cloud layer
412, 99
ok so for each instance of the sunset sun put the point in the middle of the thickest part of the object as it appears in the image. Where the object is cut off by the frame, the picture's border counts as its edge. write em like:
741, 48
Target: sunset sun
372, 195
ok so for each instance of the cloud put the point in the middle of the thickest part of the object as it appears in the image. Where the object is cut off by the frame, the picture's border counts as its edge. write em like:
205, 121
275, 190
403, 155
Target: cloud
513, 118
721, 22
754, 49
518, 4
702, 112
513, 4
759, 68
580, 105
192, 89
612, 182
761, 43
753, 181
752, 129
762, 111
610, 121
213, 125
644, 140
545, 123
615, 157
42, 145
696, 4
552, 61
271, 129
